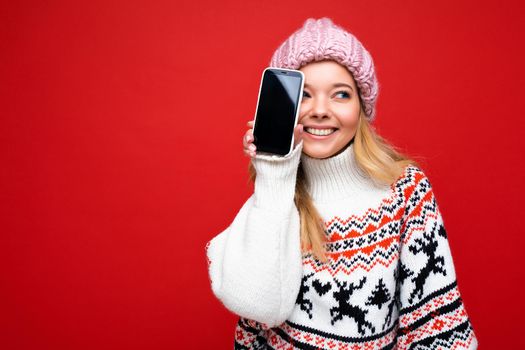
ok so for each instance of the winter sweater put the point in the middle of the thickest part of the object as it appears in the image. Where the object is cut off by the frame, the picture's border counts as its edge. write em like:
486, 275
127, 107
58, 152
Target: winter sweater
389, 282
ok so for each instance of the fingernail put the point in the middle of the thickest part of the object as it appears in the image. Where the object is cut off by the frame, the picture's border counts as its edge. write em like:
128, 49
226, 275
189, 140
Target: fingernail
252, 148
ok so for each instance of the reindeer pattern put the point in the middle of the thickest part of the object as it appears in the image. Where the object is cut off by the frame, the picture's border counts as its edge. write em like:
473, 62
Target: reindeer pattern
339, 296
304, 303
427, 244
368, 300
345, 308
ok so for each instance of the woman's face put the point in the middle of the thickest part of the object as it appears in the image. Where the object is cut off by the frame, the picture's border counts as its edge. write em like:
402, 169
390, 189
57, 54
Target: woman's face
329, 110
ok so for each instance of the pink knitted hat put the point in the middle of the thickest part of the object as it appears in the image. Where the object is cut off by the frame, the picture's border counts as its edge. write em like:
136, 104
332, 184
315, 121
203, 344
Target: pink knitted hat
321, 39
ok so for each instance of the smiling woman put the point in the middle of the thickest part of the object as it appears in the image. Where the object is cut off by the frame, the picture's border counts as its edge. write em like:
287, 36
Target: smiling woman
329, 111
342, 244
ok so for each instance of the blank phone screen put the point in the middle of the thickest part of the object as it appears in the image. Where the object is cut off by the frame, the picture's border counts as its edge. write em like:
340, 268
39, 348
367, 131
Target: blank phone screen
278, 102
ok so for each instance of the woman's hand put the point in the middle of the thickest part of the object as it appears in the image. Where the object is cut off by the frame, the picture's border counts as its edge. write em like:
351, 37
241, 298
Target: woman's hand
247, 141
249, 147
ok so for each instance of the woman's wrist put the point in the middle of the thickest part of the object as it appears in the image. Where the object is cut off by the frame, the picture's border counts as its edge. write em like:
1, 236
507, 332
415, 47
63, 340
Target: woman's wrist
276, 178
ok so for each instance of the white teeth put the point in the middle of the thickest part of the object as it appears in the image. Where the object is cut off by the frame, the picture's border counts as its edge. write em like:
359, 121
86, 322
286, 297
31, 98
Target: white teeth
319, 132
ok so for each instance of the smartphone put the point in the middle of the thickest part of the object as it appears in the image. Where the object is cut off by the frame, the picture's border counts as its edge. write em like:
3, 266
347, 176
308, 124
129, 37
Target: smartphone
280, 95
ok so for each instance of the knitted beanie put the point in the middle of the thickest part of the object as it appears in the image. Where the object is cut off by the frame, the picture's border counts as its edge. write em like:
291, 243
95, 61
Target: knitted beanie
321, 39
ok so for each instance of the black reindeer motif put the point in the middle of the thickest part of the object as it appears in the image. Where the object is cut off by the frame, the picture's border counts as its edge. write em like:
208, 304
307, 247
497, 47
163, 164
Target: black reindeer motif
402, 273
346, 309
305, 304
436, 264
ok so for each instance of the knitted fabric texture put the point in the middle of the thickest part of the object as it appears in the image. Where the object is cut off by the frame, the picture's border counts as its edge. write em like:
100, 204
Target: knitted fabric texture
321, 39
390, 280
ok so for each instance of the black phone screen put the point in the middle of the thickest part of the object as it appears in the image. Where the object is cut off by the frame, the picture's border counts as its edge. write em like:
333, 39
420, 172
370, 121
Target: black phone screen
278, 104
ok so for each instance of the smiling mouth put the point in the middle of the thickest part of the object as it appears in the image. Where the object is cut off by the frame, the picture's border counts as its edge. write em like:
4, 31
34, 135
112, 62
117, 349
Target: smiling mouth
320, 132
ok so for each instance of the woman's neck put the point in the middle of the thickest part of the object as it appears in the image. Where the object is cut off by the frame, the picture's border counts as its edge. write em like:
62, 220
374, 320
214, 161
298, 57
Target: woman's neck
335, 177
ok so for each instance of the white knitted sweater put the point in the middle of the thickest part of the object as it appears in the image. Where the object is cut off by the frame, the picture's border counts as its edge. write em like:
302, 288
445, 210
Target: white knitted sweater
389, 282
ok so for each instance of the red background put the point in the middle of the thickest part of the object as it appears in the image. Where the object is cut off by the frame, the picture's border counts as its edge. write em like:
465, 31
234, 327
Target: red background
121, 126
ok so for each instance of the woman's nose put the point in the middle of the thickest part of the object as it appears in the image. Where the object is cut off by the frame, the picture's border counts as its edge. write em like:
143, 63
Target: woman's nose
320, 108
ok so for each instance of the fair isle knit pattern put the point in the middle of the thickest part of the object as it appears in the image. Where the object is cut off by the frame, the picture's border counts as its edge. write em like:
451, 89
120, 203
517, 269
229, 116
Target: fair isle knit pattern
390, 281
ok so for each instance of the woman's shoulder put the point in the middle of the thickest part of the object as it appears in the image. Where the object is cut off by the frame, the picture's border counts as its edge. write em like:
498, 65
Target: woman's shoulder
412, 177
411, 173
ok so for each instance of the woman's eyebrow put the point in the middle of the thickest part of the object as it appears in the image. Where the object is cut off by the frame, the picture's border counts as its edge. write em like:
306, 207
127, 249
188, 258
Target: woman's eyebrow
343, 84
335, 85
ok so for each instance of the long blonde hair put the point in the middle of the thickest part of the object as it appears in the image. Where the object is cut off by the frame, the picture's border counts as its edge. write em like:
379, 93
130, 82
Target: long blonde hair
378, 158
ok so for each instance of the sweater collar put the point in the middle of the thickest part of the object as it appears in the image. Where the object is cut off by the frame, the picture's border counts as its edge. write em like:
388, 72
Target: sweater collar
336, 177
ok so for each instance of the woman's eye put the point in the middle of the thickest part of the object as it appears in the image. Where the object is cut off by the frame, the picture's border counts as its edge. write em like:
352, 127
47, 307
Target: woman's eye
342, 94
305, 94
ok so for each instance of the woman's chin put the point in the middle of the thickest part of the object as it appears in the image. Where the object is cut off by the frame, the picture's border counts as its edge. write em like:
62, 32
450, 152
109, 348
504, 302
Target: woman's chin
318, 152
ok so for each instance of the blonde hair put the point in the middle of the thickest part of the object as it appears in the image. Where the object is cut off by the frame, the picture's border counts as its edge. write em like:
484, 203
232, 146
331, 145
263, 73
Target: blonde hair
374, 155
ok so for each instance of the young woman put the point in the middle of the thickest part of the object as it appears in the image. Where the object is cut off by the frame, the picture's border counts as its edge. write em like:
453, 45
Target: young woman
342, 244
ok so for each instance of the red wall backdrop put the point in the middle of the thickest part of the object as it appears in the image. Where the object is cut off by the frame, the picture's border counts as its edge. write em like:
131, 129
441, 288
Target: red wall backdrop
121, 126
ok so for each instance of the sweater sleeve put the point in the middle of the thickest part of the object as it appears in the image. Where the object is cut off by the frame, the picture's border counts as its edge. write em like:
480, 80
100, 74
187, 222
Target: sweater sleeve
255, 264
431, 312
